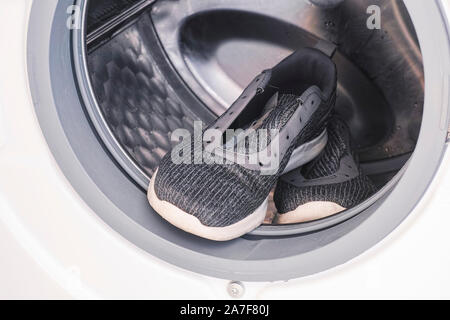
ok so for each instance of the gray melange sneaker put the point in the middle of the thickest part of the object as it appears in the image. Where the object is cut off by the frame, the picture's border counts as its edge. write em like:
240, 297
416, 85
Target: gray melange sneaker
225, 196
328, 185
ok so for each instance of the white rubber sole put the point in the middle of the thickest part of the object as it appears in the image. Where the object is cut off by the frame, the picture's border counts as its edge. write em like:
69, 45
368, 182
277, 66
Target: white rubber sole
309, 212
307, 152
191, 224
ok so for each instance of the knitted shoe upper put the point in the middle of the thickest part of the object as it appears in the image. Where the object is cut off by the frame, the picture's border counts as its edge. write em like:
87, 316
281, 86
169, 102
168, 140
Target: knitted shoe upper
220, 195
347, 194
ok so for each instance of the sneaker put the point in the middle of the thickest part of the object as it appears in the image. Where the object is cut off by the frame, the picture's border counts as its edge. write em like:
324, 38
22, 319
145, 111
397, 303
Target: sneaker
226, 195
328, 185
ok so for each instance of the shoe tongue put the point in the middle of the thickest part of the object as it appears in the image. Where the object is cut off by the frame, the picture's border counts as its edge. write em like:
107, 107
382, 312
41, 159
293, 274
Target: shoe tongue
279, 115
276, 113
272, 103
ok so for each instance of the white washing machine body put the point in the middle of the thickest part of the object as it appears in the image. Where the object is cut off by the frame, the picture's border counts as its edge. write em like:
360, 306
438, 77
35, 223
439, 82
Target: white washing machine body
53, 245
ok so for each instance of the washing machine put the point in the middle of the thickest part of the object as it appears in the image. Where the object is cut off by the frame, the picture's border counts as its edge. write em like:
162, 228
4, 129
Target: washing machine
91, 90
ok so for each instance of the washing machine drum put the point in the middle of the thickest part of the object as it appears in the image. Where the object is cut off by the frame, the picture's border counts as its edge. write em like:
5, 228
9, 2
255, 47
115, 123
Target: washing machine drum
144, 69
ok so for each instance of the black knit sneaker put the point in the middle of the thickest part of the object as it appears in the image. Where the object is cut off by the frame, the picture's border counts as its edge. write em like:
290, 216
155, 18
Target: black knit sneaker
328, 185
220, 190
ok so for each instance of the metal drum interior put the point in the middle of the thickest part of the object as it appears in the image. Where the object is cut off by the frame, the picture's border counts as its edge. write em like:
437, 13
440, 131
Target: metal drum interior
156, 66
